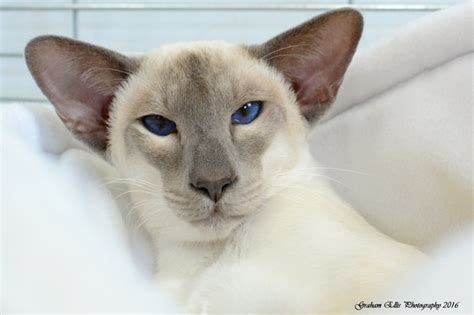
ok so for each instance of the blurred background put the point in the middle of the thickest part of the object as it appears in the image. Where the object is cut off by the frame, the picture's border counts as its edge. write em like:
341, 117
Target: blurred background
136, 26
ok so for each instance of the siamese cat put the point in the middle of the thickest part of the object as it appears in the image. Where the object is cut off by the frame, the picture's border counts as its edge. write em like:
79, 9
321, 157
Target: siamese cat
211, 137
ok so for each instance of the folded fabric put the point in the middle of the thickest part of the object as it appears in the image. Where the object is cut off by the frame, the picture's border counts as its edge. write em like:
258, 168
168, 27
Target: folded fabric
398, 141
66, 247
397, 145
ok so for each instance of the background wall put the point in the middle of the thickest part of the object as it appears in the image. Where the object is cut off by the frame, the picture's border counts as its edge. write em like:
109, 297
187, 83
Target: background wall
144, 29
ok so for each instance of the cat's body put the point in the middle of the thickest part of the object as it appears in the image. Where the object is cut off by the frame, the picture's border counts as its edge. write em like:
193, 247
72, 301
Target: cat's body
305, 251
211, 138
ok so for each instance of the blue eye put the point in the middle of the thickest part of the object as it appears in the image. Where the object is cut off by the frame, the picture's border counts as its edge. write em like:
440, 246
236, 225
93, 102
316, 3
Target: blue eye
247, 113
158, 125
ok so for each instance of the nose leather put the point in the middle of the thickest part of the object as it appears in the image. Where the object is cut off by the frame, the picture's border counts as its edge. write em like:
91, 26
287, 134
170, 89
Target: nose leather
214, 188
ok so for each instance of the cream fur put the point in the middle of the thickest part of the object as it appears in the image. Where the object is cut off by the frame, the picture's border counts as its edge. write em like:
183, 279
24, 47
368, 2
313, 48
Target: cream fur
305, 250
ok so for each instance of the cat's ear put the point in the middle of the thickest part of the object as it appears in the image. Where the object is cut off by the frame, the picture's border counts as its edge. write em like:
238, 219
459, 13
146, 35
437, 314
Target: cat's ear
80, 80
314, 56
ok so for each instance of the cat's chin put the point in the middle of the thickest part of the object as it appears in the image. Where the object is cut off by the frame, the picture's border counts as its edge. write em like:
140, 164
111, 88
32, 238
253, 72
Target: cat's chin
217, 225
216, 219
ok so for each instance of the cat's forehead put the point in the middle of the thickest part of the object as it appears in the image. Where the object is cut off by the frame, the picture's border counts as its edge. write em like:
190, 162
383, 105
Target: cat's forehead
205, 53
196, 62
205, 76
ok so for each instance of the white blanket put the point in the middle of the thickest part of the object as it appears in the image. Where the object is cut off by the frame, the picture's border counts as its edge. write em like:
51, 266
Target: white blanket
397, 144
403, 125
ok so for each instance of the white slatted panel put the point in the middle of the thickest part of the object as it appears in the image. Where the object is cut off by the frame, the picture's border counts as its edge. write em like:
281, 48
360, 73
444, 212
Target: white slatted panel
144, 30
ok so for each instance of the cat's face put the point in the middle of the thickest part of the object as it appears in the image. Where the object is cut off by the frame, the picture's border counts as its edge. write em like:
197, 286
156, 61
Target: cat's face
201, 131
212, 171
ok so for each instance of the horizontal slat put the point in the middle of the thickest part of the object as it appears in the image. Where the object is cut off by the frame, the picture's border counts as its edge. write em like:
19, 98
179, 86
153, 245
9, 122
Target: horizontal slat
216, 7
147, 28
450, 2
17, 82
21, 55
11, 55
22, 100
17, 28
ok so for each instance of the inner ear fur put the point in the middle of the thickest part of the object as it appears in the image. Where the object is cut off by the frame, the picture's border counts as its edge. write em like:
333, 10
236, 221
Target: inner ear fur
80, 80
314, 56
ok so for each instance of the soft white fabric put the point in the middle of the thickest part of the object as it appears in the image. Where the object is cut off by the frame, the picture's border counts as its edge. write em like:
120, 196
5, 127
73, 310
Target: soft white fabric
398, 143
402, 129
65, 245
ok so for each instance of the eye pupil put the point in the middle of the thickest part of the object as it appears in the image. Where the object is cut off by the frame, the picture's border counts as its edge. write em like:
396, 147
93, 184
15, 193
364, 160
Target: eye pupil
247, 113
244, 110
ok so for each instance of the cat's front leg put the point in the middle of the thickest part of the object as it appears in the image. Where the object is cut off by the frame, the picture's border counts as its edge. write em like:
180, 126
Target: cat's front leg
246, 287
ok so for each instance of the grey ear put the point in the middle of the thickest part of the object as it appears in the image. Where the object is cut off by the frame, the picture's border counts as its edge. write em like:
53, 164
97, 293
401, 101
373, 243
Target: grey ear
80, 80
314, 57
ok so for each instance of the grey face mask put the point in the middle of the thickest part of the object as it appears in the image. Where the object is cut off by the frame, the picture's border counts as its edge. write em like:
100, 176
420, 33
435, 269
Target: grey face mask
209, 163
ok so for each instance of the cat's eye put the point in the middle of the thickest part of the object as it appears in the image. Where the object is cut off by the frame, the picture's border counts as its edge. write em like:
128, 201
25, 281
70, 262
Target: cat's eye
158, 125
247, 113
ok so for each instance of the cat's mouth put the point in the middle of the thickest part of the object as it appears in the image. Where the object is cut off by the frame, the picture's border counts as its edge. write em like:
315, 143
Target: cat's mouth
216, 217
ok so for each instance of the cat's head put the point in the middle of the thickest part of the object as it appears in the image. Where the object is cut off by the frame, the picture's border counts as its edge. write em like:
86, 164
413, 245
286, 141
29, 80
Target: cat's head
200, 130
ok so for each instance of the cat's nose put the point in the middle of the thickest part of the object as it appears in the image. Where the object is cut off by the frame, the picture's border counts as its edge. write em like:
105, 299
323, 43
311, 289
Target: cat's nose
214, 188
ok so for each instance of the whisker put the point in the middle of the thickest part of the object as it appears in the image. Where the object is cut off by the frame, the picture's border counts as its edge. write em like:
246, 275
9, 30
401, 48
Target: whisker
94, 69
136, 206
284, 48
286, 55
332, 169
132, 181
181, 203
138, 191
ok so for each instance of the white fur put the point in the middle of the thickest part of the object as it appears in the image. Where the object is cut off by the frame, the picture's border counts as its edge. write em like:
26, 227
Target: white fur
305, 250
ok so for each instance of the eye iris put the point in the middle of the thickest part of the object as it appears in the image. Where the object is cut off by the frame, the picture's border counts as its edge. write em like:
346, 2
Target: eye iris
247, 113
158, 125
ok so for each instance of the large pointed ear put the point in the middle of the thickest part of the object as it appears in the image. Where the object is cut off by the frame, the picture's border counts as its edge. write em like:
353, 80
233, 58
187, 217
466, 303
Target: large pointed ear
314, 56
80, 80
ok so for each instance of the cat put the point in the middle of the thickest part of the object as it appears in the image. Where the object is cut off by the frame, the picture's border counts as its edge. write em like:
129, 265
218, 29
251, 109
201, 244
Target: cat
211, 137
